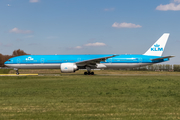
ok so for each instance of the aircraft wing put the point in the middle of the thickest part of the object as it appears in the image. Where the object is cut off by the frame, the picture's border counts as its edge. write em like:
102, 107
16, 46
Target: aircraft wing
162, 58
94, 61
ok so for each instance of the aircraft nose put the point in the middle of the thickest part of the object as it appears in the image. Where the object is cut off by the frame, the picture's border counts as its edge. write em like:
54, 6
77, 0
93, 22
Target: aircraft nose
6, 62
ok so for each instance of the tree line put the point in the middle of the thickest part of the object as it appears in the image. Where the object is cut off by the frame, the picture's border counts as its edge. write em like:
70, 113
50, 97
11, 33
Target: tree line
4, 58
158, 67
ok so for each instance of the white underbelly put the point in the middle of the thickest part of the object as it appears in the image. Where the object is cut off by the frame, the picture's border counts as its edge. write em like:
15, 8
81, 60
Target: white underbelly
34, 66
125, 65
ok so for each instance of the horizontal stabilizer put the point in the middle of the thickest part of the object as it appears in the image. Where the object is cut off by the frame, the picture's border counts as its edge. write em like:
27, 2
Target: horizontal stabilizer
161, 58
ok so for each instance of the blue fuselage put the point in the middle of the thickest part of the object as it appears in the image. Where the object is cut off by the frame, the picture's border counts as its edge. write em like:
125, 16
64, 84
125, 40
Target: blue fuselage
53, 61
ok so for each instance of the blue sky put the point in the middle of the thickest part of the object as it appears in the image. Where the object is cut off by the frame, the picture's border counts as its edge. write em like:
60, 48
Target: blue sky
89, 26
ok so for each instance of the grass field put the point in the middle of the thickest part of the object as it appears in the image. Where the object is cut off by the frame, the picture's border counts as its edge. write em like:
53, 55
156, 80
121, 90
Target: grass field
5, 71
98, 72
80, 97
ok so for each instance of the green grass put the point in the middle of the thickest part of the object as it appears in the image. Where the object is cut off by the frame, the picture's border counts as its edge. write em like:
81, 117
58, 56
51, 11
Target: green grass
5, 71
80, 97
102, 72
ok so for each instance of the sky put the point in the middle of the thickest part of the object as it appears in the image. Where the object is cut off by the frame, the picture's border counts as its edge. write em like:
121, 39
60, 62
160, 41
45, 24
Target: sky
89, 26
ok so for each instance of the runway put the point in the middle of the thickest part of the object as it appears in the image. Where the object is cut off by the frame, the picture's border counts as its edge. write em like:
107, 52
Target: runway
19, 75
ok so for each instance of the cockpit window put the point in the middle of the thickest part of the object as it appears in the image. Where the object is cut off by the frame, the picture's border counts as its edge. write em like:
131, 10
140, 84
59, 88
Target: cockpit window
9, 60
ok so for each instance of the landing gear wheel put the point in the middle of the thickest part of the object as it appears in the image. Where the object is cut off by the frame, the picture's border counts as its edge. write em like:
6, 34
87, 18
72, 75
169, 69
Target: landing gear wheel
88, 73
85, 73
17, 72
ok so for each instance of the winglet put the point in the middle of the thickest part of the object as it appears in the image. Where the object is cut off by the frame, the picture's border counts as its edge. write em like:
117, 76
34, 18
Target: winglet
158, 47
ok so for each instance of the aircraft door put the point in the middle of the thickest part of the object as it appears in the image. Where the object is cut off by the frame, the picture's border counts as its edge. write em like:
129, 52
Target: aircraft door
42, 60
18, 60
140, 60
110, 60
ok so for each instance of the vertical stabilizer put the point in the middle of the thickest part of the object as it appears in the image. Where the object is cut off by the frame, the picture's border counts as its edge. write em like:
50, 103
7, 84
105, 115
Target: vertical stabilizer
158, 47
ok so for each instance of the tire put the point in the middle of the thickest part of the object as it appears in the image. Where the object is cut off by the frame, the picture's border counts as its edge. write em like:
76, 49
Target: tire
92, 73
85, 73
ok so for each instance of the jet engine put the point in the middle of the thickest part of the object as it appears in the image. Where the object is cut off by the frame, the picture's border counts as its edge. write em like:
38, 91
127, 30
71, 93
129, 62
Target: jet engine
68, 67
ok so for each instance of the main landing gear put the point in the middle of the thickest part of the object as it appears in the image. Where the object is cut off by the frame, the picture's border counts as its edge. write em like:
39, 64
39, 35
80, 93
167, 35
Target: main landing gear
88, 71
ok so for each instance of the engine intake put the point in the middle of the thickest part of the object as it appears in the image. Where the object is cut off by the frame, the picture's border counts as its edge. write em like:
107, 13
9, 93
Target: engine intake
68, 67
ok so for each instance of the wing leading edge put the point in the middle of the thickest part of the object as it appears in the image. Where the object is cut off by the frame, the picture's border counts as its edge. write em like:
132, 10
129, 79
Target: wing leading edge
94, 61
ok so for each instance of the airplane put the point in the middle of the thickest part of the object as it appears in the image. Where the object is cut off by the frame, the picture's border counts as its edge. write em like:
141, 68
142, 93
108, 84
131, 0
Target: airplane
72, 63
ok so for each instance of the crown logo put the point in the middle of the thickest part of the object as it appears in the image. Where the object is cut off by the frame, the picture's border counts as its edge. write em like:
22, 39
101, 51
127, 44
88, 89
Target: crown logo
156, 45
29, 58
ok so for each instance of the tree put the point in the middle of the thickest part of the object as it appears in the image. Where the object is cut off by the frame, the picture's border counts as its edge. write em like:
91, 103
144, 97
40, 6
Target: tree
19, 53
4, 58
1, 61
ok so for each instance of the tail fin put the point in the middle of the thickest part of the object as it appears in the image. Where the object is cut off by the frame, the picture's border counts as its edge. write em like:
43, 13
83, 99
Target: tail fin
158, 47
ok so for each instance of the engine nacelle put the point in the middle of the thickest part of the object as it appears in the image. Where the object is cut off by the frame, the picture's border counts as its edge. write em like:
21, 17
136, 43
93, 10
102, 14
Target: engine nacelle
100, 66
68, 67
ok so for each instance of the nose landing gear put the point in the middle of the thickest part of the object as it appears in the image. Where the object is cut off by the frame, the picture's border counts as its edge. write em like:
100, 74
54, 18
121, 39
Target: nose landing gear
17, 72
